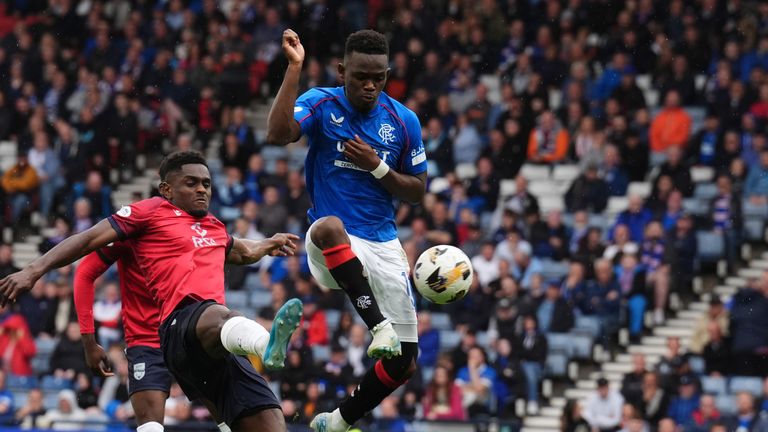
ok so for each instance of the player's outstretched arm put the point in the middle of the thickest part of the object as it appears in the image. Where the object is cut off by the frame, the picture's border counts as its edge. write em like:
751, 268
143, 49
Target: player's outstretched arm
405, 187
89, 269
281, 126
66, 252
245, 251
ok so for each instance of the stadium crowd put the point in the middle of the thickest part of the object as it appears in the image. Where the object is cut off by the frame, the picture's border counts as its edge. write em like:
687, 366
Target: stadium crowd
94, 92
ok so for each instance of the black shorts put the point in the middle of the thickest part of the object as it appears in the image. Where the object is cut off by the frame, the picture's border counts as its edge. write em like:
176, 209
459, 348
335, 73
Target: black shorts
146, 370
231, 384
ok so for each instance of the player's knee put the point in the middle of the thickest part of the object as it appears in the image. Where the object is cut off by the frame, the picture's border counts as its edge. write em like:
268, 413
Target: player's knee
328, 232
401, 368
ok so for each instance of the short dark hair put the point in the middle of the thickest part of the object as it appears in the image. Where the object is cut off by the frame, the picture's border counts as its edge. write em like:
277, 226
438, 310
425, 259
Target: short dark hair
366, 42
174, 162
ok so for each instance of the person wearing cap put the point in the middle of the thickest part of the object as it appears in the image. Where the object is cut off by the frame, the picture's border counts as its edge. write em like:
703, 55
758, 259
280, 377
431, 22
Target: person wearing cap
553, 311
602, 409
716, 313
683, 405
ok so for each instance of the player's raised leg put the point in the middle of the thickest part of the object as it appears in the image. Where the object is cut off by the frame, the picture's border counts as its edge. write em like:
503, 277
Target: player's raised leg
329, 235
222, 331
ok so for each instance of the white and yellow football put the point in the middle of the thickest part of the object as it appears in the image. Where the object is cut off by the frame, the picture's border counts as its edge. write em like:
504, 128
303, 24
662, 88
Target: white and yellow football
443, 274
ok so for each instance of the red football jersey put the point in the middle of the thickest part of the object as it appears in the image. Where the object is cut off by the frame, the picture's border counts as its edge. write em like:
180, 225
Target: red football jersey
140, 313
180, 255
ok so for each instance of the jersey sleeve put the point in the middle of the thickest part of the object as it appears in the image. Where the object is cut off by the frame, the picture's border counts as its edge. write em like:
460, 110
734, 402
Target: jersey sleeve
414, 159
304, 110
86, 273
132, 219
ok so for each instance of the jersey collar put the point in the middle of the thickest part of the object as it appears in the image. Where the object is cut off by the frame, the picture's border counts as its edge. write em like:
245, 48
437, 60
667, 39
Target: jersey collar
348, 106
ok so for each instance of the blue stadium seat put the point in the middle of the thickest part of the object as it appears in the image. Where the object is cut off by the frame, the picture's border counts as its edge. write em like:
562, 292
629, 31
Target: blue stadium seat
581, 344
747, 384
705, 191
20, 398
726, 404
15, 382
441, 321
559, 342
321, 353
41, 364
426, 374
45, 346
52, 383
696, 206
554, 269
557, 364
754, 229
50, 400
332, 317
449, 339
588, 324
713, 385
260, 299
697, 364
751, 210
711, 246
237, 299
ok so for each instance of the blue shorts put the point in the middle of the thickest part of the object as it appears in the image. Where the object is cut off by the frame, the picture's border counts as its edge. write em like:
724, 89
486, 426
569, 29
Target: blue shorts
146, 370
231, 384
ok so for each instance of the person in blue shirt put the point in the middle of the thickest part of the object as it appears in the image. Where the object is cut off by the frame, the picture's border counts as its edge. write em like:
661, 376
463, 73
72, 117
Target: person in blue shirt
685, 403
365, 151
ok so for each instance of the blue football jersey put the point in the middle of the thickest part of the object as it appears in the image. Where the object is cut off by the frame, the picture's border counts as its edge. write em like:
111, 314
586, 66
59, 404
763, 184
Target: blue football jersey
338, 187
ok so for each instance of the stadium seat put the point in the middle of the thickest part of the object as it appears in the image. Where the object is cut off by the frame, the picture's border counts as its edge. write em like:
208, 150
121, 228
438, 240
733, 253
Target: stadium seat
599, 221
551, 202
544, 188
237, 299
557, 364
438, 185
41, 364
52, 383
747, 384
658, 159
449, 339
507, 187
20, 398
642, 189
702, 174
711, 246
696, 207
713, 385
260, 299
752, 210
705, 191
726, 404
581, 344
554, 269
754, 229
427, 373
566, 173
697, 364
45, 346
643, 81
559, 342
617, 204
466, 171
535, 172
588, 324
321, 353
332, 317
15, 382
50, 400
441, 321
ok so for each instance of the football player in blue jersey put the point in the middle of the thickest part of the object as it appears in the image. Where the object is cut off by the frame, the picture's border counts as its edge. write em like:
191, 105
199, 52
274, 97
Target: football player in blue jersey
365, 151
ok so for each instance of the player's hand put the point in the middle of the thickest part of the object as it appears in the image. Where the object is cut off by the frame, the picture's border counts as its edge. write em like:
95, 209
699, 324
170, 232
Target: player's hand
14, 285
292, 47
361, 154
97, 360
282, 244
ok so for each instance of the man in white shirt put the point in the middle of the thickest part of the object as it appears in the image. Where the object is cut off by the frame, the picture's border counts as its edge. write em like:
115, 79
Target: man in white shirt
486, 264
603, 408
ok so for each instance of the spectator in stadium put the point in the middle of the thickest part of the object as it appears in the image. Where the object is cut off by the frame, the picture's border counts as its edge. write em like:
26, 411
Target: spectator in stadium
652, 402
683, 252
716, 352
67, 359
716, 313
443, 398
31, 414
548, 141
602, 410
86, 393
553, 313
6, 260
337, 373
672, 211
507, 147
632, 282
704, 146
705, 416
522, 202
524, 267
107, 311
17, 347
588, 192
81, 217
620, 245
746, 417
356, 350
97, 193
467, 142
550, 238
438, 147
635, 155
476, 381
67, 415
654, 256
532, 350
635, 217
600, 298
590, 249
666, 425
486, 264
19, 184
682, 406
632, 383
585, 138
749, 327
230, 196
429, 340
756, 184
670, 363
572, 420
672, 125
47, 166
614, 175
677, 170
38, 310
177, 406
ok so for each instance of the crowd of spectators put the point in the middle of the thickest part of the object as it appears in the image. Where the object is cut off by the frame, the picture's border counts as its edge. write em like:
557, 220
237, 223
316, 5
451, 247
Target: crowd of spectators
95, 91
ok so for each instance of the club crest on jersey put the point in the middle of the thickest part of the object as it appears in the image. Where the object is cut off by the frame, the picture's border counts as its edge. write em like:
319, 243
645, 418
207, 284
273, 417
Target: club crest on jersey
201, 241
385, 133
124, 211
336, 121
139, 369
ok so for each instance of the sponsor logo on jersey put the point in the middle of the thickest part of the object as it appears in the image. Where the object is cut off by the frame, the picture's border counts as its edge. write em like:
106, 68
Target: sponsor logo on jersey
202, 240
336, 121
125, 211
385, 133
418, 156
177, 212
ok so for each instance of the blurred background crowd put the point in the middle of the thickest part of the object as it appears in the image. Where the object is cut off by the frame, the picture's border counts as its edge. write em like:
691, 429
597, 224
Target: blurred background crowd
593, 157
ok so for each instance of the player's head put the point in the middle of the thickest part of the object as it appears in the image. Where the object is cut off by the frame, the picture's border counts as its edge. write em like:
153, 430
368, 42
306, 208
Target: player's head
186, 182
365, 68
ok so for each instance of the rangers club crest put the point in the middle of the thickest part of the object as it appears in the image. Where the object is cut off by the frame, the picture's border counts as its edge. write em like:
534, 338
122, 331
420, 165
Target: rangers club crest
138, 371
385, 133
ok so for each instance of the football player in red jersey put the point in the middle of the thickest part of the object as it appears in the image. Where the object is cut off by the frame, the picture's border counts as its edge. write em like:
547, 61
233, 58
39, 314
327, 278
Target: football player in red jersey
181, 250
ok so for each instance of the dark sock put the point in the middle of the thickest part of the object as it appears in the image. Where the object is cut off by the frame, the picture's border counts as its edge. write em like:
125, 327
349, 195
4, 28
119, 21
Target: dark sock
348, 272
378, 383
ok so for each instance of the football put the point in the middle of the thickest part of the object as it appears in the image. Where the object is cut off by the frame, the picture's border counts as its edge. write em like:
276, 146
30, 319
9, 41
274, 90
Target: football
443, 274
